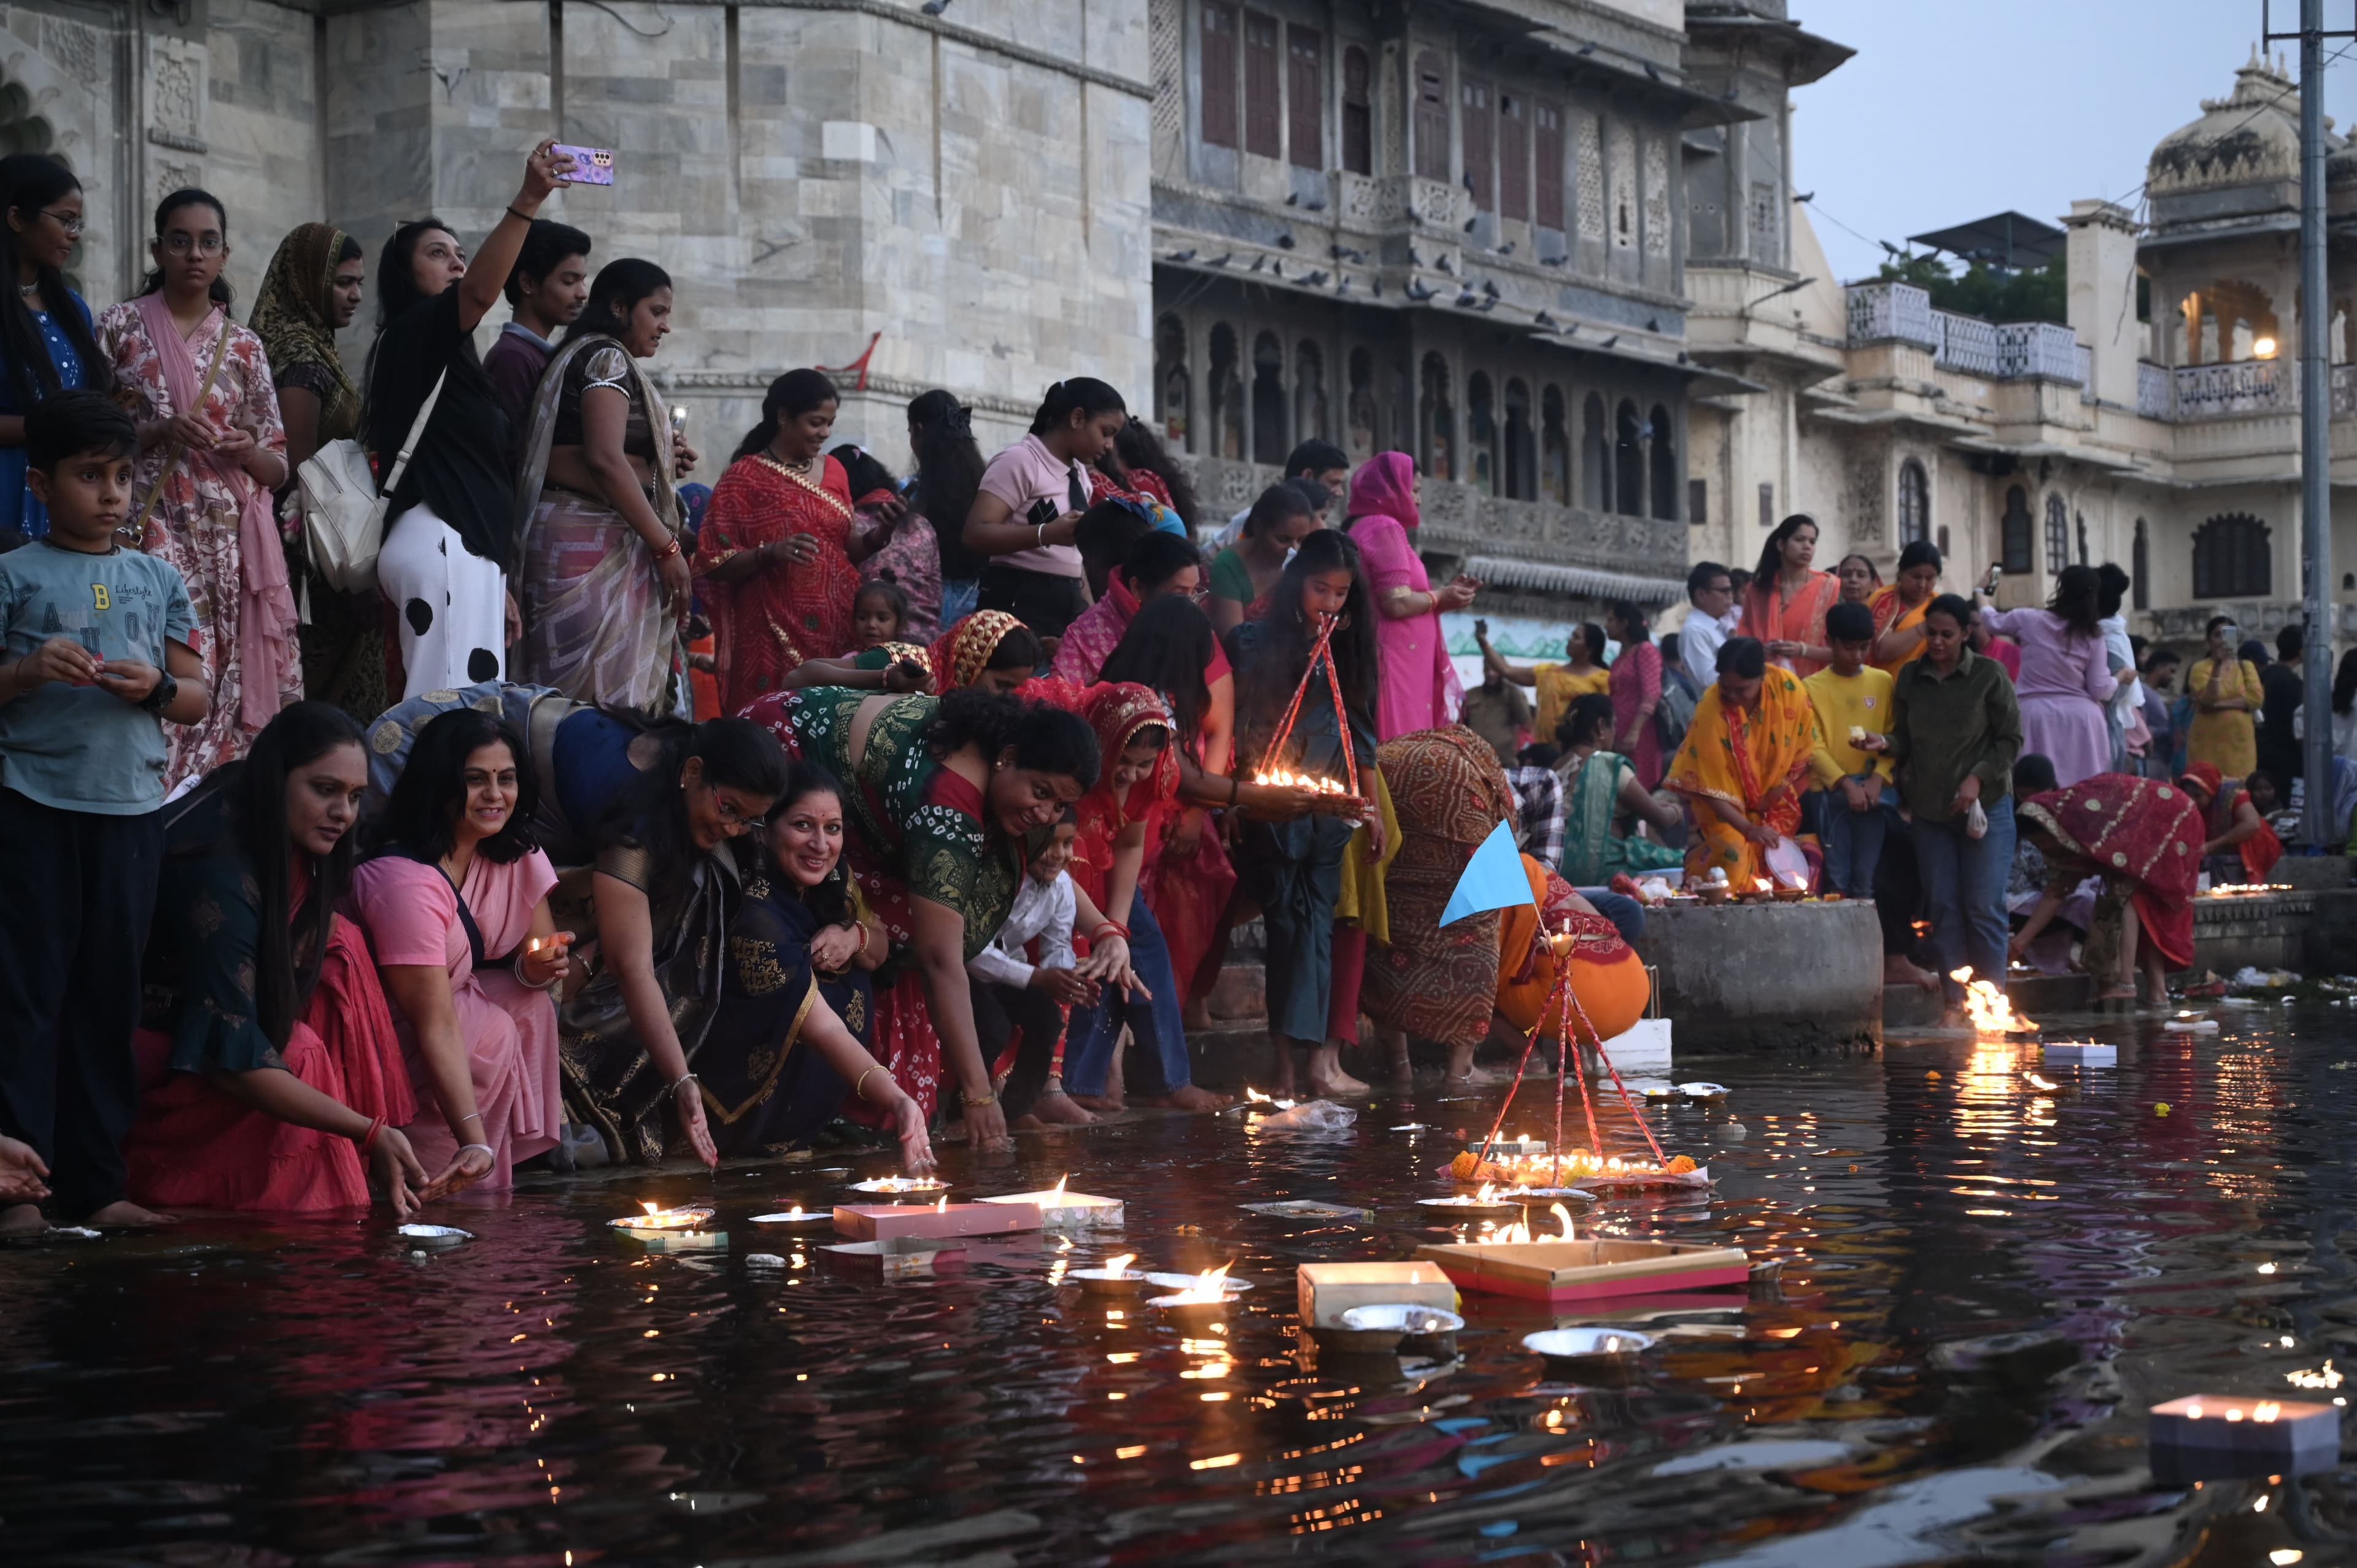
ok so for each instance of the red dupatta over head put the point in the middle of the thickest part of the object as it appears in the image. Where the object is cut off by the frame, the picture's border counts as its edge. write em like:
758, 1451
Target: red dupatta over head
962, 653
1117, 712
2143, 830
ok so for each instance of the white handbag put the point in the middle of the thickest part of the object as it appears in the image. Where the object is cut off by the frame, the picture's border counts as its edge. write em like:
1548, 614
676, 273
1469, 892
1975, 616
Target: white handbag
343, 512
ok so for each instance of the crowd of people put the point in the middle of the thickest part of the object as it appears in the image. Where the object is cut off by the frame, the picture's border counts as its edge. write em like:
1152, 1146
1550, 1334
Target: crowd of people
619, 817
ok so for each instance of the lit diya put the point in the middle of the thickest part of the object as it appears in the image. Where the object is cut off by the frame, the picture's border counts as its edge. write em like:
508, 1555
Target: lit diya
1680, 1170
657, 1219
1115, 1278
1486, 1201
2190, 1024
1205, 1294
2206, 1437
894, 1186
796, 1215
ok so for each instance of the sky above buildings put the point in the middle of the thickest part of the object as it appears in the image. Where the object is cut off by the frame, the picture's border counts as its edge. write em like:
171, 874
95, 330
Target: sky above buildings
1950, 112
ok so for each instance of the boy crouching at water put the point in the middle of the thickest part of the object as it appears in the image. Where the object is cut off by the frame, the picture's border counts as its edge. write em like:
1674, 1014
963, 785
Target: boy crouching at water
1013, 995
98, 657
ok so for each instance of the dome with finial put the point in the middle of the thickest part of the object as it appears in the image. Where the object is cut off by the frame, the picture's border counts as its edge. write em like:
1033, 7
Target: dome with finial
2250, 137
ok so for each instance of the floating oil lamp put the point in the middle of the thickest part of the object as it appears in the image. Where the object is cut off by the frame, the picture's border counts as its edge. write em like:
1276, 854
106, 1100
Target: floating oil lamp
2078, 1053
657, 1218
895, 1185
1255, 1103
2190, 1024
1062, 1210
1115, 1278
1584, 1343
1384, 1329
2205, 1437
1989, 1008
796, 1215
1206, 1295
1485, 1201
434, 1235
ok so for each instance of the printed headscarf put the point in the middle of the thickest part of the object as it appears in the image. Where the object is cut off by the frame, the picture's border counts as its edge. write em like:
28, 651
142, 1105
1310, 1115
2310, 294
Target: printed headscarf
962, 653
292, 313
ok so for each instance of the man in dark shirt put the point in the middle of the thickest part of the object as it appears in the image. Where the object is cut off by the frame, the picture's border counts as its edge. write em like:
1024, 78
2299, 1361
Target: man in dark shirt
547, 288
2281, 687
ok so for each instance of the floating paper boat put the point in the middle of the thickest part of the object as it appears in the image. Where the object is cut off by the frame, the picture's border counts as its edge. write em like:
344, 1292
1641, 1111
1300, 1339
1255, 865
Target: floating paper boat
899, 1258
883, 1221
1557, 1271
1062, 1210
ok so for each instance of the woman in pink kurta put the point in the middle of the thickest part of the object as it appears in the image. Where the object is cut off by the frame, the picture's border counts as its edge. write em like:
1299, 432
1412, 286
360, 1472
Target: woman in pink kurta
453, 830
1417, 687
1636, 687
221, 451
2065, 678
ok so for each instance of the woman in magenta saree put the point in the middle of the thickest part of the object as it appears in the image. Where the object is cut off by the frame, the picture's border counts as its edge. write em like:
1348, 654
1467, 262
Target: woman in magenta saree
1418, 688
2144, 837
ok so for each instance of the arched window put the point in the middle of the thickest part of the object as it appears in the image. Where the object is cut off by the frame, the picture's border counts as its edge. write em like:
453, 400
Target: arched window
1595, 457
1481, 434
2013, 533
1358, 112
1269, 444
1554, 449
1170, 385
1362, 404
1914, 503
1665, 463
1227, 393
2140, 569
1438, 419
2058, 535
1522, 454
1308, 392
2232, 559
1628, 462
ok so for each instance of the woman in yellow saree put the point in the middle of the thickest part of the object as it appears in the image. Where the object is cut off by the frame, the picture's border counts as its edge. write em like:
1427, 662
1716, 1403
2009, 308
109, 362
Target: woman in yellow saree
1744, 763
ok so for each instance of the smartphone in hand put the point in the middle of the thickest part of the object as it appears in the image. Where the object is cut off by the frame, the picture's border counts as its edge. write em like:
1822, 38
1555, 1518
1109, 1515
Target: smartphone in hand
591, 166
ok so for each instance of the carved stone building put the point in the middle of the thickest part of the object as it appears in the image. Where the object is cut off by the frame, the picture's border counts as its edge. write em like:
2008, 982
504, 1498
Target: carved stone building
1549, 246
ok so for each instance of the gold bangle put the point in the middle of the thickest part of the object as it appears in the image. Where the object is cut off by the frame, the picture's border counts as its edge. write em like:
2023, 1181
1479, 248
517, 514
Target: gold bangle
859, 1090
984, 1098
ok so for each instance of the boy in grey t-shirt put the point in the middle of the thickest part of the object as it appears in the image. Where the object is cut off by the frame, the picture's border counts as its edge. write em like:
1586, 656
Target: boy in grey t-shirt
98, 657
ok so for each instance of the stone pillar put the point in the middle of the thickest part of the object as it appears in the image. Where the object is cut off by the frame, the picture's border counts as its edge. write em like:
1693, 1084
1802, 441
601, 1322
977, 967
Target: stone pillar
2101, 261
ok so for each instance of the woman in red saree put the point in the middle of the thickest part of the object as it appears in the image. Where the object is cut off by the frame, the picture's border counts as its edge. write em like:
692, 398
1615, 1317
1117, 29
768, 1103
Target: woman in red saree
2143, 837
774, 554
2238, 843
1786, 605
989, 649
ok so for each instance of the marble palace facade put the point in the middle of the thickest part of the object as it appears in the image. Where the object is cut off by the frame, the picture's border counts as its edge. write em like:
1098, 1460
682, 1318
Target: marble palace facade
1549, 246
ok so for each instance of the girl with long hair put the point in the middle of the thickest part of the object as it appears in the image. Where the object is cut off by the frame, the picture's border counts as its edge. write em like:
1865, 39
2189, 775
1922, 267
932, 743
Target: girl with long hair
1291, 847
943, 792
310, 292
949, 469
450, 524
455, 902
282, 1085
605, 583
1784, 604
2065, 678
1154, 472
46, 341
786, 1047
1026, 511
776, 552
1243, 572
211, 451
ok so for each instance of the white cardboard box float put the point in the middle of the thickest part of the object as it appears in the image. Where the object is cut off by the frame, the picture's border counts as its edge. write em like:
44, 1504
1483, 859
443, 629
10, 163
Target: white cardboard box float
1330, 1290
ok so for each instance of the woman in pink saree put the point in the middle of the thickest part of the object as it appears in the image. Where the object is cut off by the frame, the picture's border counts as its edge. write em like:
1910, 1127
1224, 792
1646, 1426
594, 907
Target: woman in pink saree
212, 449
1417, 688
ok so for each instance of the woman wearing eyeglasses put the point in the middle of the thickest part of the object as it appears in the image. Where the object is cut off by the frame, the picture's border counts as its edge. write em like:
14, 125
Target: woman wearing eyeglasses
46, 344
211, 450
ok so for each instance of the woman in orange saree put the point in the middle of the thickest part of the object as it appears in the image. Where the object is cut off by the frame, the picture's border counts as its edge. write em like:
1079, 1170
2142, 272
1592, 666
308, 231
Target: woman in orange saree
772, 559
1899, 609
1744, 764
1786, 605
1608, 979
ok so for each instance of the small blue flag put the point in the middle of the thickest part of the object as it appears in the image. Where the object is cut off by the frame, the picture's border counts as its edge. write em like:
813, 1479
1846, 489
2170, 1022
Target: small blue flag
1494, 878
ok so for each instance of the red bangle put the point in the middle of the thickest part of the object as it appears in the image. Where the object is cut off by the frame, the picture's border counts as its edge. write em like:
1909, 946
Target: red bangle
1115, 927
671, 549
374, 1128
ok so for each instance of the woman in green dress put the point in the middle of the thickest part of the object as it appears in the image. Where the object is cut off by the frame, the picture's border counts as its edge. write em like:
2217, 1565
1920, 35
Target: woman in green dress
1603, 799
942, 794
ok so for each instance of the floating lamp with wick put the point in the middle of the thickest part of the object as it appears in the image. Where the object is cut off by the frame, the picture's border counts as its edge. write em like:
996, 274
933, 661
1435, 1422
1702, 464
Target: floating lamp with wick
896, 1187
1062, 1210
1204, 1297
796, 1215
1114, 1277
2216, 1438
1469, 1205
664, 1229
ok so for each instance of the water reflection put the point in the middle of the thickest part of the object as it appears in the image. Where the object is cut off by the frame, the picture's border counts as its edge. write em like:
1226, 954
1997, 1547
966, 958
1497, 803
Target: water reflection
1991, 1268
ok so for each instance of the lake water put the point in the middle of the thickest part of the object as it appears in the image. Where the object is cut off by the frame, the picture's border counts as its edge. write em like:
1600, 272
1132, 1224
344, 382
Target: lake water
1984, 1285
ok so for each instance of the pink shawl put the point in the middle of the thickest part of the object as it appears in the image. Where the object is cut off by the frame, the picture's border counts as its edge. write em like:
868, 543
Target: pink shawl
1090, 640
1417, 688
266, 605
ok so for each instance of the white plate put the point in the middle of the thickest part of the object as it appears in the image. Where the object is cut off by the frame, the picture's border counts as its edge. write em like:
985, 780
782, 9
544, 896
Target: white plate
436, 1233
807, 1216
1398, 1317
1569, 1342
1187, 1283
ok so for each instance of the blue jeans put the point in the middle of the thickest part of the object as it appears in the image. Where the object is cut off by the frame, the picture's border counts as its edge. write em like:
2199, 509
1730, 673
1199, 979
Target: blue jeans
1852, 840
1628, 915
1963, 892
1154, 1025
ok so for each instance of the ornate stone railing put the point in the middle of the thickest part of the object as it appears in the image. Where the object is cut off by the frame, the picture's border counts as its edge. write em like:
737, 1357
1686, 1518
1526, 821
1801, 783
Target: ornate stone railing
1902, 313
2243, 386
2344, 392
2153, 388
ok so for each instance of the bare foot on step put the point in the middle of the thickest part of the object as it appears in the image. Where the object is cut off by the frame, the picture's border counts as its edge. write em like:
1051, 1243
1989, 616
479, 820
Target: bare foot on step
21, 1220
1061, 1110
1190, 1099
125, 1215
